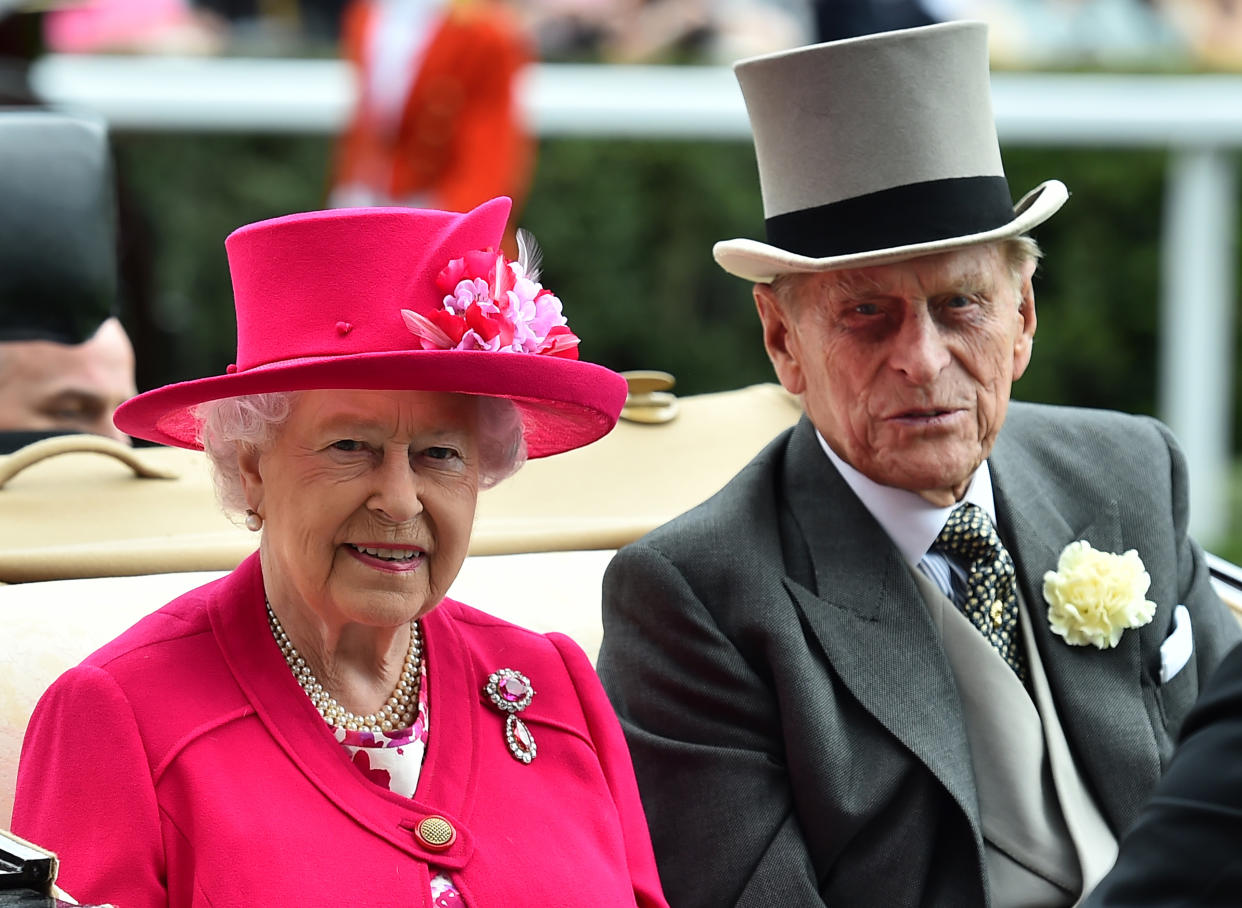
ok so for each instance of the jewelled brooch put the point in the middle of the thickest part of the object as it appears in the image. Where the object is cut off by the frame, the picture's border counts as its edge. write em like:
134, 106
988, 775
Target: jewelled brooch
510, 692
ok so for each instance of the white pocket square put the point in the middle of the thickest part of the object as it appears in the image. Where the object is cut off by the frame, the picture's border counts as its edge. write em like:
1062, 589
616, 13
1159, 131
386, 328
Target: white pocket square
1176, 650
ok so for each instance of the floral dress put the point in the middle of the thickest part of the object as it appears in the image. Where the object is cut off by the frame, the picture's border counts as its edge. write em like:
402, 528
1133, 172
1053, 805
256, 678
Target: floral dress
394, 759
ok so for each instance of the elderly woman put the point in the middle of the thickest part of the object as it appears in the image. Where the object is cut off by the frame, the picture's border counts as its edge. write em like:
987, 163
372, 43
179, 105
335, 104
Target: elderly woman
322, 726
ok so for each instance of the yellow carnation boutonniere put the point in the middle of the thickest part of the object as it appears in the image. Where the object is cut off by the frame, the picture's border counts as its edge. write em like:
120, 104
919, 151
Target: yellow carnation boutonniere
1094, 596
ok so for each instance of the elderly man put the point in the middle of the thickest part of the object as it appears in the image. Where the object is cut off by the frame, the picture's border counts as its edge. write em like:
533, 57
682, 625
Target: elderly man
66, 362
907, 657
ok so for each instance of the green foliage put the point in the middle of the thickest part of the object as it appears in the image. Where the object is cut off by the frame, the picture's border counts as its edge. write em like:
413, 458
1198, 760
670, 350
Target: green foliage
627, 230
1097, 291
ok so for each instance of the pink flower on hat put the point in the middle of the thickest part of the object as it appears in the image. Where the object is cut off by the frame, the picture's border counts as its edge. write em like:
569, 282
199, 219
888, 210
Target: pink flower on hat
491, 303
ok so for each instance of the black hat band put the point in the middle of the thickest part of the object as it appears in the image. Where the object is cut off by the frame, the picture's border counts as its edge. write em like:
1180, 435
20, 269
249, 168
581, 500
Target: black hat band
907, 215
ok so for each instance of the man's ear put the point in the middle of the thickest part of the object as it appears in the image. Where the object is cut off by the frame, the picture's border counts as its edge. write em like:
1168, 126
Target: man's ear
1025, 338
779, 339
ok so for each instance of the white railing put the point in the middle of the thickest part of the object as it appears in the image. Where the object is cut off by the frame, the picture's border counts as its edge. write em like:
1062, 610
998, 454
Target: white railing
1197, 117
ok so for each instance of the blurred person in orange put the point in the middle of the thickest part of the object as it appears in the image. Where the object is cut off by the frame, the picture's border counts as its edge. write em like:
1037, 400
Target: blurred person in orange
66, 362
438, 122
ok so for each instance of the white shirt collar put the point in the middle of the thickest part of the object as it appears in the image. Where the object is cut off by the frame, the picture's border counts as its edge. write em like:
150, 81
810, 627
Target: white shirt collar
911, 521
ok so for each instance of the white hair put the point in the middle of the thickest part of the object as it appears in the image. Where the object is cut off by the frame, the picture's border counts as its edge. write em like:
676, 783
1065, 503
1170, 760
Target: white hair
1018, 251
249, 423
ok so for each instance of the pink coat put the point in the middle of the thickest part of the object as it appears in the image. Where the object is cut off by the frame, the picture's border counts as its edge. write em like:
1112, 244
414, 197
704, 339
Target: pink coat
182, 765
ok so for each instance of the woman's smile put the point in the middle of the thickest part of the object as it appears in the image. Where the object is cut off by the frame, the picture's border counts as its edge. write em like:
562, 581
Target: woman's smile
393, 559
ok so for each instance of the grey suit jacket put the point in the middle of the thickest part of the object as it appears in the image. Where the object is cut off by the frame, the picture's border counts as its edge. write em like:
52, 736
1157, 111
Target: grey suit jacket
794, 723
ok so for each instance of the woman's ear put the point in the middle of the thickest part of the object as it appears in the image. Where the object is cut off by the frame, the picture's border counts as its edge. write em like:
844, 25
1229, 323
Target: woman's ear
248, 465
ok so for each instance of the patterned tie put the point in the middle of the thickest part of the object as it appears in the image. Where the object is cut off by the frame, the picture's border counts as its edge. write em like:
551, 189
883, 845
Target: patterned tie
991, 601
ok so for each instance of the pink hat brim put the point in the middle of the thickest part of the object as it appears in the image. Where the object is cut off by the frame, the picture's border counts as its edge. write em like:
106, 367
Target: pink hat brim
564, 403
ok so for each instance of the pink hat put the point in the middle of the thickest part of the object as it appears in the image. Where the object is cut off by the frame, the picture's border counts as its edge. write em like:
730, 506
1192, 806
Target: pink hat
394, 299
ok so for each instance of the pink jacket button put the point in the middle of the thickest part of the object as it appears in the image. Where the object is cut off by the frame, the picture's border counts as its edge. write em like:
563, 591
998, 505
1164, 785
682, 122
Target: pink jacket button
435, 833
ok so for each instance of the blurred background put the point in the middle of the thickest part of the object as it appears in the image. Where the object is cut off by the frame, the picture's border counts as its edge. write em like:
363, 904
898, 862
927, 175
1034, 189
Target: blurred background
618, 128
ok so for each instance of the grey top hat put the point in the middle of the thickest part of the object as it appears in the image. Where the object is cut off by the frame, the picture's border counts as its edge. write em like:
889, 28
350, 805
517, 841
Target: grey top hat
876, 149
58, 255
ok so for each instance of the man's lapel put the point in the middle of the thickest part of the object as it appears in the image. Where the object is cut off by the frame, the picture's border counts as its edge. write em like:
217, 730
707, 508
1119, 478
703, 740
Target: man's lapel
1099, 694
866, 612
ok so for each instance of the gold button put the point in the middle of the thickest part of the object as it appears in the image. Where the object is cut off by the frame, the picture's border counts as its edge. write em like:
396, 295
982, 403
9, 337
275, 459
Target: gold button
997, 613
436, 833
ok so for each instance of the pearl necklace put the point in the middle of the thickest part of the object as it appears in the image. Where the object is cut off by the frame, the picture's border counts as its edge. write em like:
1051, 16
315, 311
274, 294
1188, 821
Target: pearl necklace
399, 712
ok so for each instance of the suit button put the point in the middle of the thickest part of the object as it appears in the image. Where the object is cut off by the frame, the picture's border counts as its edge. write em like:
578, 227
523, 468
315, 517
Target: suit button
435, 833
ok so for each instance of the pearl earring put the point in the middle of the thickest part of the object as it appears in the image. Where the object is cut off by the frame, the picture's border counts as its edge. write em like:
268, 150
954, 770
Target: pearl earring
254, 522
